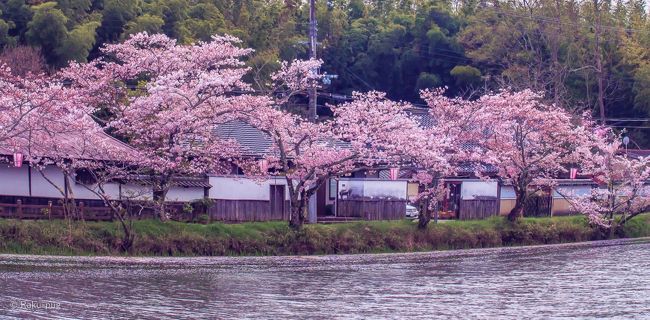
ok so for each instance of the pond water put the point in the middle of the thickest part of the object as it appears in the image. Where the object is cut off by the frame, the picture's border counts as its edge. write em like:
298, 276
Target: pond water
606, 279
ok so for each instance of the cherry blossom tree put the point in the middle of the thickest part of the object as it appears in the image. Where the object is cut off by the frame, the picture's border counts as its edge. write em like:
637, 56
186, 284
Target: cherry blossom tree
442, 147
528, 142
366, 132
30, 106
74, 143
24, 60
48, 125
622, 193
165, 99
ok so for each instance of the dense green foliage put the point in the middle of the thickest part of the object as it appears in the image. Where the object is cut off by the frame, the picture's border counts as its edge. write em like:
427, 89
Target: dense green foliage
276, 238
580, 53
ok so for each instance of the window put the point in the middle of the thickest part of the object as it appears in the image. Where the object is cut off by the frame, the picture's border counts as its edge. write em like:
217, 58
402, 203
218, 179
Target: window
334, 184
84, 176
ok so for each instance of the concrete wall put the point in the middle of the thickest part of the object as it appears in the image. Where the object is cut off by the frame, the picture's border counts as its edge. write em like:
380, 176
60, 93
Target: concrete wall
14, 181
242, 188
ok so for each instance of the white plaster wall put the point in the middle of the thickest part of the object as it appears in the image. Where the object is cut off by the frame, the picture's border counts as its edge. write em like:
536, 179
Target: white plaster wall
136, 192
242, 188
81, 192
14, 181
569, 191
356, 187
375, 188
184, 194
42, 188
385, 188
471, 189
508, 192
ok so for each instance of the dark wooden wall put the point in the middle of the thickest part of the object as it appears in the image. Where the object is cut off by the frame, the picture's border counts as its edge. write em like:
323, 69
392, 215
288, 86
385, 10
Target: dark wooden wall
19, 210
478, 209
245, 210
372, 209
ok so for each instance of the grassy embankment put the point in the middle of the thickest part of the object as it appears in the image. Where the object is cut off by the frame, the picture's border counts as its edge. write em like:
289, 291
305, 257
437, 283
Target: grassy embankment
276, 238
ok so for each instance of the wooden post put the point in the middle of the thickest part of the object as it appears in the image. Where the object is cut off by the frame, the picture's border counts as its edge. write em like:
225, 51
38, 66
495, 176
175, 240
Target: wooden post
20, 208
49, 210
498, 213
81, 209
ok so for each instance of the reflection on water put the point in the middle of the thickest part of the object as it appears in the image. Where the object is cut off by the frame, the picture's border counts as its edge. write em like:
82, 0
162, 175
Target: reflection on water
600, 279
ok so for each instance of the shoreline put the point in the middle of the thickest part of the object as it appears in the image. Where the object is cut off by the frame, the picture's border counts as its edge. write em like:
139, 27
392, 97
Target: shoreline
292, 260
174, 239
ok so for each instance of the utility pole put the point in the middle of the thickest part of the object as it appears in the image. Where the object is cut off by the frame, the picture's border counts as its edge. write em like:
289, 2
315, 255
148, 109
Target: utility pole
599, 61
312, 112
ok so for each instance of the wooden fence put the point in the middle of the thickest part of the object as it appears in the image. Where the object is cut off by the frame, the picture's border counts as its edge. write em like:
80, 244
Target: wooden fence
477, 209
246, 210
52, 209
19, 210
220, 210
372, 209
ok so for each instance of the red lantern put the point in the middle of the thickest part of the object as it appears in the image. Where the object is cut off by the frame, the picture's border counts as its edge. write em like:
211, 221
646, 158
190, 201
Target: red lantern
394, 173
18, 160
264, 165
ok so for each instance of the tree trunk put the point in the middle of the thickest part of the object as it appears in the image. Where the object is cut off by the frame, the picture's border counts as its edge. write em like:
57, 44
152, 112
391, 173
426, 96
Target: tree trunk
161, 211
297, 213
424, 216
159, 199
126, 223
518, 211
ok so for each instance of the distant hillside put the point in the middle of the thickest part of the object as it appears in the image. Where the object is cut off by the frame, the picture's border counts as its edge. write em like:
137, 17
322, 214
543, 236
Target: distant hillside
592, 55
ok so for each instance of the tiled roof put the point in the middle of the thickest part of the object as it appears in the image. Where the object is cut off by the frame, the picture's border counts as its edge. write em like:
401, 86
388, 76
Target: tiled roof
403, 174
192, 182
470, 168
74, 146
422, 116
189, 182
636, 153
253, 141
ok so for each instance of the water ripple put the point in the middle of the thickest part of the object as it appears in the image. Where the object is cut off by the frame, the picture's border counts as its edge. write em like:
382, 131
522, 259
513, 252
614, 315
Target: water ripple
607, 279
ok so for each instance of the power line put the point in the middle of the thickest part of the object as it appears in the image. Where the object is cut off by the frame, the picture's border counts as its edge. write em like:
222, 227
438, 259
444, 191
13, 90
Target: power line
559, 21
629, 120
631, 127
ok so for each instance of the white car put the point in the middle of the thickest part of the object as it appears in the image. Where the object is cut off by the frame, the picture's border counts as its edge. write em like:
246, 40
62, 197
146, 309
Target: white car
411, 211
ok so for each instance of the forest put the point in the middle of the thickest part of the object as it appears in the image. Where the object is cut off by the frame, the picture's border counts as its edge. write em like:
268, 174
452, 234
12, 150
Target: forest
585, 56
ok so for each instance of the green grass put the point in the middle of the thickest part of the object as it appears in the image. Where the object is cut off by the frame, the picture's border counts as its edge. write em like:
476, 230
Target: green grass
155, 238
